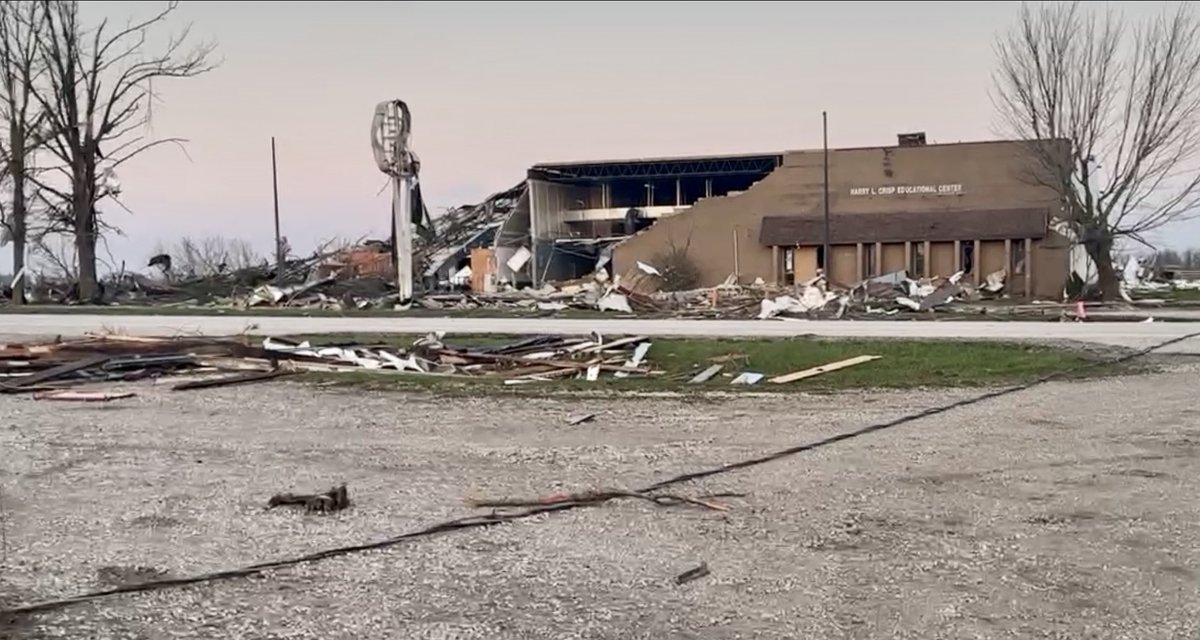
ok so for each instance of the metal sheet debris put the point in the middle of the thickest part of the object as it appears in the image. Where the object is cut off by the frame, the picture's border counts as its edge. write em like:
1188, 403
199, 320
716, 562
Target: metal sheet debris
707, 374
748, 378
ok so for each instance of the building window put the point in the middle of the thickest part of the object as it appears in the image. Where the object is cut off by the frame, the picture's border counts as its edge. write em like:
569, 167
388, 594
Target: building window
918, 258
789, 266
868, 265
821, 259
1018, 257
968, 257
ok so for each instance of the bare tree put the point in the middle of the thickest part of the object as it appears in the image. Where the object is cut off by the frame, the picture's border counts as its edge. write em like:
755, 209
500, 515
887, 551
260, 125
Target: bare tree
678, 272
54, 256
97, 97
21, 27
1112, 117
210, 256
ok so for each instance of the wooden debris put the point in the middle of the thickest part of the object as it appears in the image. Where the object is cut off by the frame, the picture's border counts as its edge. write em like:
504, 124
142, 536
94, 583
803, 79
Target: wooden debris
49, 367
231, 380
692, 574
83, 396
825, 368
335, 499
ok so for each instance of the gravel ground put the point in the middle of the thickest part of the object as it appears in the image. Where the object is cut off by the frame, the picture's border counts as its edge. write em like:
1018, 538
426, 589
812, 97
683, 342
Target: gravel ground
1067, 511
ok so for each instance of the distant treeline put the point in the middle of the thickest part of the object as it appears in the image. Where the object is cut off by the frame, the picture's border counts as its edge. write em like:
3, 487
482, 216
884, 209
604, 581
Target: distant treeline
1186, 258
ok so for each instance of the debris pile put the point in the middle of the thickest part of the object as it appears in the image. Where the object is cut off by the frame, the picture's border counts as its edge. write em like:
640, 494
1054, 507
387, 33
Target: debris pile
816, 299
443, 258
49, 369
357, 277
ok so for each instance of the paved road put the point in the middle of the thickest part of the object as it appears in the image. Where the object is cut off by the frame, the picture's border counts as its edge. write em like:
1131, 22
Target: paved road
1127, 334
1191, 315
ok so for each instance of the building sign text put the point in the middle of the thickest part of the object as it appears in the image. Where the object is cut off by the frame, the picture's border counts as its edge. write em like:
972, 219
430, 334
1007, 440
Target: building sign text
908, 189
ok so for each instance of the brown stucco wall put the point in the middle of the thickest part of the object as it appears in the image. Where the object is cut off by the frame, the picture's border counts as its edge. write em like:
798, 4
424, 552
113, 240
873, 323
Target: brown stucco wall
806, 264
993, 175
893, 258
991, 258
843, 268
941, 256
1050, 255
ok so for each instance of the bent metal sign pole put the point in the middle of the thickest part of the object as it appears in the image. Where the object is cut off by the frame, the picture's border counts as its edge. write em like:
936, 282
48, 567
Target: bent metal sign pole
390, 129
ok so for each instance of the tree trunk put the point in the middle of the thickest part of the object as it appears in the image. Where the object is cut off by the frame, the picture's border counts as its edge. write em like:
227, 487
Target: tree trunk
18, 236
16, 169
1100, 251
85, 231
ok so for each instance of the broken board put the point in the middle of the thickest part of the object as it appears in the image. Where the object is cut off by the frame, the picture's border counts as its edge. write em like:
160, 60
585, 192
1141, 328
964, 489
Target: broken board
825, 368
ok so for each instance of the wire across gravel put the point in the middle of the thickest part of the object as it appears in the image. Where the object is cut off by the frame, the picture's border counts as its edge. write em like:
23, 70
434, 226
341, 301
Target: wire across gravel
1066, 511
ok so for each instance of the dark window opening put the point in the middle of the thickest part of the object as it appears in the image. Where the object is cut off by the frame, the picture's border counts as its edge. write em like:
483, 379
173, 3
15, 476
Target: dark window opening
968, 257
868, 265
821, 259
627, 193
666, 192
918, 258
1018, 257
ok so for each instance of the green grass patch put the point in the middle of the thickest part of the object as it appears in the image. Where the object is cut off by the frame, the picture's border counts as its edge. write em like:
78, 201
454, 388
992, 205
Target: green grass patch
904, 364
1176, 295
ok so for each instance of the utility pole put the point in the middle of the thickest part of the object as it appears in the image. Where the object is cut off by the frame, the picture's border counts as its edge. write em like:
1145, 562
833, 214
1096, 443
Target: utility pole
278, 239
825, 136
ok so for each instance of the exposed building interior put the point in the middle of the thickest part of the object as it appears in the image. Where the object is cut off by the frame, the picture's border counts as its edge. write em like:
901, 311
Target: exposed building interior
577, 211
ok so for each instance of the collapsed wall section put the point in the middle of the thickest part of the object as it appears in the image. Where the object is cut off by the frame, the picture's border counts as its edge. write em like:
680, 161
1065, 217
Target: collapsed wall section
719, 235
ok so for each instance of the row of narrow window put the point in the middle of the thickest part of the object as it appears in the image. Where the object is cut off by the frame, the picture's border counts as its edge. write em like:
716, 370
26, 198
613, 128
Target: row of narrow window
916, 260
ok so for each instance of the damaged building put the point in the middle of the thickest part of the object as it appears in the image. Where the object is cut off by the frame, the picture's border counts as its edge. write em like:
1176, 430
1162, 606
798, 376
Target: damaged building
470, 244
563, 220
929, 209
578, 211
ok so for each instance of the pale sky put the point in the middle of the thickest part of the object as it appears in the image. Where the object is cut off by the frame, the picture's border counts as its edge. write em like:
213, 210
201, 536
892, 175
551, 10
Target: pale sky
495, 87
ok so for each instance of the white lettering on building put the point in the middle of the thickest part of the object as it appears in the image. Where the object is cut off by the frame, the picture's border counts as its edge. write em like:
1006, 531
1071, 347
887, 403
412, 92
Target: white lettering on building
908, 189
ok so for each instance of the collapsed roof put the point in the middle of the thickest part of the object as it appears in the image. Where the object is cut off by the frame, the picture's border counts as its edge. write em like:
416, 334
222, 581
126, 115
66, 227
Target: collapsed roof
460, 229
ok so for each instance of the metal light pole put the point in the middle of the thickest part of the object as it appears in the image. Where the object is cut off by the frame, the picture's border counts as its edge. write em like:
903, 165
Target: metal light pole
825, 137
278, 238
390, 130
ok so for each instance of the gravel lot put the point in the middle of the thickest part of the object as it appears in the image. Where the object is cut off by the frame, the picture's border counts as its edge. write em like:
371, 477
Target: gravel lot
1068, 511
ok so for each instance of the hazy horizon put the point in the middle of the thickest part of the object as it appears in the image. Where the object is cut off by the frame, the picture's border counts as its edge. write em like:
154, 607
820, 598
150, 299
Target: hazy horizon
497, 87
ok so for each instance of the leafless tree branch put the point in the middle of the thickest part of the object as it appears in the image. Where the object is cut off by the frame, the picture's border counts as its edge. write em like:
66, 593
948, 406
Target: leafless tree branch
97, 96
209, 256
1111, 115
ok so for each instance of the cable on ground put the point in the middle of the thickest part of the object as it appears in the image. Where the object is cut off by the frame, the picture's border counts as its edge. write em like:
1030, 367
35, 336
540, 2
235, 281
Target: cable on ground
480, 521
